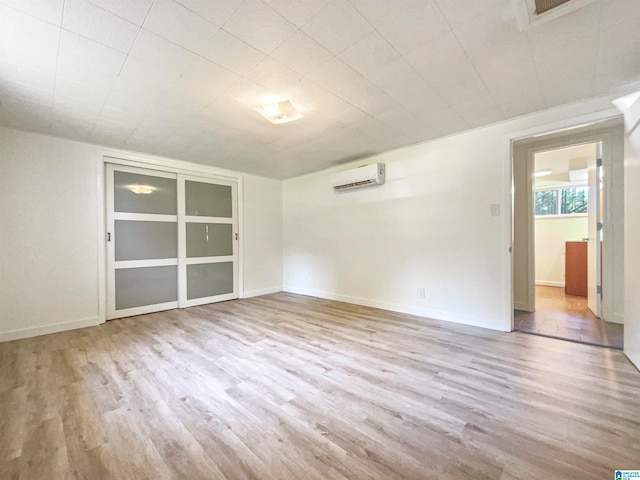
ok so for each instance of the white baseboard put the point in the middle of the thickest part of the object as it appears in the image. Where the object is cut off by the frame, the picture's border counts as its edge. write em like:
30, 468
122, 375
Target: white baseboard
464, 319
263, 291
546, 283
47, 329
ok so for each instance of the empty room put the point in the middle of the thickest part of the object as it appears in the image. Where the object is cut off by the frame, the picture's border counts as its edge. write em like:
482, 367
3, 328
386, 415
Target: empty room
319, 239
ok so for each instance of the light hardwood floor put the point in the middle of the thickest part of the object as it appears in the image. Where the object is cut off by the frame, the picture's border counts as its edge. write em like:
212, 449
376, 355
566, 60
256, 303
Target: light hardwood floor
286, 387
568, 317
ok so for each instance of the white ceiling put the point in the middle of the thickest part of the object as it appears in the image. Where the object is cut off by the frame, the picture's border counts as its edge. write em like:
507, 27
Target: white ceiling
562, 161
180, 78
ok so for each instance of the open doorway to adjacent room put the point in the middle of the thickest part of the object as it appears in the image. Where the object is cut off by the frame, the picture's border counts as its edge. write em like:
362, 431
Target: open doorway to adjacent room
562, 242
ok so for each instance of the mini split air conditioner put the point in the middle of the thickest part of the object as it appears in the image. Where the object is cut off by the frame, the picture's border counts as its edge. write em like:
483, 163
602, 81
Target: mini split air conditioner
365, 176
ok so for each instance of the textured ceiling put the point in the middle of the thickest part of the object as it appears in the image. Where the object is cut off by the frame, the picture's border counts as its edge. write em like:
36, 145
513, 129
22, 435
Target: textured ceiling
180, 78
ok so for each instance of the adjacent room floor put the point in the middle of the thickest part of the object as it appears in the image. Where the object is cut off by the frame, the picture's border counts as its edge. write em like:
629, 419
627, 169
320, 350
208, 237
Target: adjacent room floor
292, 387
567, 317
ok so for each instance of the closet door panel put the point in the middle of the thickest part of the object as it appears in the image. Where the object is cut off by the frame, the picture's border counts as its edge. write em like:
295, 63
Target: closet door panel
209, 280
209, 256
137, 240
144, 193
209, 239
138, 287
142, 246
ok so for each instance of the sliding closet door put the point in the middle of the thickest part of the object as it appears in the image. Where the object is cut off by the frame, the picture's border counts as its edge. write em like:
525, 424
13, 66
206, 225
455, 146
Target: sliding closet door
207, 218
172, 241
142, 241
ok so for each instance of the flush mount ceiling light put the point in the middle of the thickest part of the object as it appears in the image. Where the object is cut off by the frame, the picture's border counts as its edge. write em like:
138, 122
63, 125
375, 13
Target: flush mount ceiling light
282, 111
542, 173
141, 189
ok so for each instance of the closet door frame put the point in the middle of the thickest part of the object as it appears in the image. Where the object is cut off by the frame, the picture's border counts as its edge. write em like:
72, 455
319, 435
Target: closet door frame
119, 158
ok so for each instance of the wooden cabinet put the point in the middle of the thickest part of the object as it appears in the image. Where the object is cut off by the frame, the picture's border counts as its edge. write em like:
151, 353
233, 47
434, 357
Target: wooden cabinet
575, 269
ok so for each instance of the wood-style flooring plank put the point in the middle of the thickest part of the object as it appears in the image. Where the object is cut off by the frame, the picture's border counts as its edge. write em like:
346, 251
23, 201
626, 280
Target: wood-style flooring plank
292, 387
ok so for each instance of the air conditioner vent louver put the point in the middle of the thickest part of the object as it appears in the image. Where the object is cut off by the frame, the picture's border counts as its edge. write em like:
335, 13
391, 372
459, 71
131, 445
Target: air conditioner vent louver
367, 175
546, 5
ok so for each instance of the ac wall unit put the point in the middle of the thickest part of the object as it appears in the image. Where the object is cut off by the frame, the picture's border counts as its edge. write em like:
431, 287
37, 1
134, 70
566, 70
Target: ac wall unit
365, 176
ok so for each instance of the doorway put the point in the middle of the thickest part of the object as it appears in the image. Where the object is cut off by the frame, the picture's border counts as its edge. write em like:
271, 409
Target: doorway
567, 221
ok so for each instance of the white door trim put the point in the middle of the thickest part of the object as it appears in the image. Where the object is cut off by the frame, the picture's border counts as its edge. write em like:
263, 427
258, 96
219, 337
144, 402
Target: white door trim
605, 131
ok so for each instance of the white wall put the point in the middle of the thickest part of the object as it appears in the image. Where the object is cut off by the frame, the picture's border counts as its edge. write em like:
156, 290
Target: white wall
428, 227
550, 237
262, 235
49, 227
48, 235
632, 252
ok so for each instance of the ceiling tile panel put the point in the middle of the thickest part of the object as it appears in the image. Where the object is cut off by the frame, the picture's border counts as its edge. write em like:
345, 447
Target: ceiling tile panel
376, 12
15, 107
301, 53
576, 29
513, 80
259, 25
483, 110
47, 10
135, 11
72, 106
486, 30
132, 95
337, 26
566, 86
169, 57
95, 23
18, 92
527, 101
84, 92
618, 58
367, 97
84, 61
303, 93
176, 23
370, 55
232, 53
27, 42
616, 12
330, 105
461, 11
113, 115
409, 28
503, 57
272, 74
216, 12
203, 81
442, 62
247, 94
298, 12
19, 85
72, 125
334, 75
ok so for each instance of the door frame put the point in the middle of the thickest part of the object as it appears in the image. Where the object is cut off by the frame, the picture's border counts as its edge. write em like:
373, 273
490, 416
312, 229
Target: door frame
107, 155
611, 133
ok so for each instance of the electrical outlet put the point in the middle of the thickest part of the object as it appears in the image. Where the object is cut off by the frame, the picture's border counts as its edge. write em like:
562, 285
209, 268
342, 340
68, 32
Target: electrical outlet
422, 293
